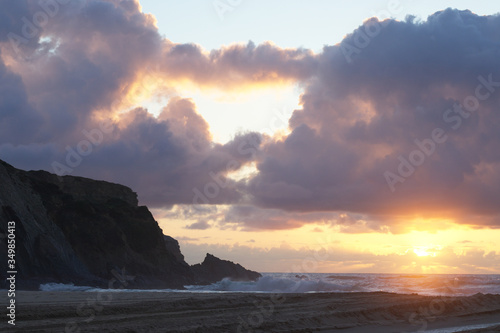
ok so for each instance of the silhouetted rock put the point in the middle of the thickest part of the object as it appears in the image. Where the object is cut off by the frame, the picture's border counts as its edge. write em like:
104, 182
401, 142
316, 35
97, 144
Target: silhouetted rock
73, 229
42, 250
87, 232
213, 269
173, 247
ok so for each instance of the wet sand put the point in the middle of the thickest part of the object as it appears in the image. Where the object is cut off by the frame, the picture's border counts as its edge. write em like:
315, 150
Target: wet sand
246, 312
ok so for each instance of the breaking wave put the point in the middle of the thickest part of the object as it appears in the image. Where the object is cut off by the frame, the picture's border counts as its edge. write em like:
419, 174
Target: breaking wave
449, 285
452, 285
272, 284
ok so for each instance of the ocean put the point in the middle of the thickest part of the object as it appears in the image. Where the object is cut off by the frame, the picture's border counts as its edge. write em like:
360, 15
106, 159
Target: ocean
431, 285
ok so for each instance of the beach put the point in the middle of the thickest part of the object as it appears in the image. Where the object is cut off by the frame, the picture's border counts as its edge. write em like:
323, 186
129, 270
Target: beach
142, 311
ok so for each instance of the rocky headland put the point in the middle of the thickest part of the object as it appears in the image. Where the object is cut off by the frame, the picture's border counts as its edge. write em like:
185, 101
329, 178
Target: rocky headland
87, 232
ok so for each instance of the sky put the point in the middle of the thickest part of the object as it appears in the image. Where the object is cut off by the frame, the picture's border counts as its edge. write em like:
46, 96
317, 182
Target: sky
318, 136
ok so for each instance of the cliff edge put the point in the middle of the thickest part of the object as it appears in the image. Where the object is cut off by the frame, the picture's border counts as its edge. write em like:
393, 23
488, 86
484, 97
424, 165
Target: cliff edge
87, 232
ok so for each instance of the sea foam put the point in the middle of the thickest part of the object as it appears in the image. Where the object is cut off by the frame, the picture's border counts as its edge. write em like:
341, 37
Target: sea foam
449, 285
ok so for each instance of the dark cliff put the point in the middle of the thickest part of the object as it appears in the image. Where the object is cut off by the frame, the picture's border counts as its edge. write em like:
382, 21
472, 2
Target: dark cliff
73, 229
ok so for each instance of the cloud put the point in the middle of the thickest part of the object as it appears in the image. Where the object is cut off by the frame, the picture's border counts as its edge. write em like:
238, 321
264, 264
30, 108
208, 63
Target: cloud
251, 218
357, 120
96, 60
88, 58
70, 66
18, 120
202, 225
187, 239
237, 64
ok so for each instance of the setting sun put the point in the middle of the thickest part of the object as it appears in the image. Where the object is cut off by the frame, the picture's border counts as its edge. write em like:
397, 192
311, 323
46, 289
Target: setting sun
422, 252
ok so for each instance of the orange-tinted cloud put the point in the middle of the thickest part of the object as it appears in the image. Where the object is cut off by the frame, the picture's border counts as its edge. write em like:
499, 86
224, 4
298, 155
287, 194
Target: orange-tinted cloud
379, 113
236, 66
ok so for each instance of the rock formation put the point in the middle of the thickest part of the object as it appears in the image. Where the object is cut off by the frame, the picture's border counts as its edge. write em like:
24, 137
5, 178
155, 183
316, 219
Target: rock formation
82, 231
213, 269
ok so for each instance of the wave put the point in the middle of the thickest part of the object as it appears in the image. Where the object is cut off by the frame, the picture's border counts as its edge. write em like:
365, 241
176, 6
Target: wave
432, 285
271, 284
345, 277
65, 287
265, 284
450, 285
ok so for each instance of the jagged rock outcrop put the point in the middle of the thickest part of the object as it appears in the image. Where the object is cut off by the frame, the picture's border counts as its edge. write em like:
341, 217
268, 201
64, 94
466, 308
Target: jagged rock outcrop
77, 230
213, 269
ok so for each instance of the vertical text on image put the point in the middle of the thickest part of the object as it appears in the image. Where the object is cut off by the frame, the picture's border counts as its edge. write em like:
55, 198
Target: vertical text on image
11, 272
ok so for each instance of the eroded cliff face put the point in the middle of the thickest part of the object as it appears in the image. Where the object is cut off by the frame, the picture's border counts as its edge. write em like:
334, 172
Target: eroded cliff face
72, 229
42, 251
87, 232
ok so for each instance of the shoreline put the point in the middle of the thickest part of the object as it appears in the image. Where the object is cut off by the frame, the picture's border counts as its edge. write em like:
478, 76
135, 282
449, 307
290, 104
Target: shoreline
77, 311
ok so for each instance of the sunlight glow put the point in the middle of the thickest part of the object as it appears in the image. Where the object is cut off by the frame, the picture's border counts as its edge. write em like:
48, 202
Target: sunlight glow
421, 252
426, 251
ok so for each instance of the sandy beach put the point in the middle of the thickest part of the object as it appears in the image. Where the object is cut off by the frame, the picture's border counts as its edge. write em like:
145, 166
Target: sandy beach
244, 312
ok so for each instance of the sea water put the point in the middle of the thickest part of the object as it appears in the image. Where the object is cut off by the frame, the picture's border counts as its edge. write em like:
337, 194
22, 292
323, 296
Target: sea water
449, 285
